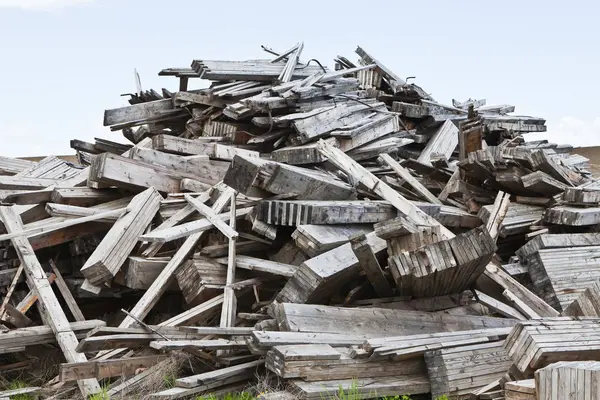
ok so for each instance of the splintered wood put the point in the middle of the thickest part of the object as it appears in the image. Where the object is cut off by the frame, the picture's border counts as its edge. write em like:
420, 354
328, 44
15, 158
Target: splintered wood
323, 228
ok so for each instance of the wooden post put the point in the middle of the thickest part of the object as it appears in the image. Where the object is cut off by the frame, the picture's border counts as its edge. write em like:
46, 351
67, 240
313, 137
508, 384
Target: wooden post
229, 304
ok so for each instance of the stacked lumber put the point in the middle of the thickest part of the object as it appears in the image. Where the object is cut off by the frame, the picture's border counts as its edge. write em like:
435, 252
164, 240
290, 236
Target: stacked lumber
521, 390
458, 371
568, 380
562, 266
537, 343
323, 227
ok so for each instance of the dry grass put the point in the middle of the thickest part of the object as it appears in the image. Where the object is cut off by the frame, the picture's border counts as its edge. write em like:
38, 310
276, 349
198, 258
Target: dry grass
162, 377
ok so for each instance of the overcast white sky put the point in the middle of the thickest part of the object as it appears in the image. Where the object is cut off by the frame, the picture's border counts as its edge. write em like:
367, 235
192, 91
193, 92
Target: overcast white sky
65, 61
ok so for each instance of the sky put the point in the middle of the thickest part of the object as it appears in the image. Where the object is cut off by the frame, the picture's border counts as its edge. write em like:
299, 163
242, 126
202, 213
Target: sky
64, 61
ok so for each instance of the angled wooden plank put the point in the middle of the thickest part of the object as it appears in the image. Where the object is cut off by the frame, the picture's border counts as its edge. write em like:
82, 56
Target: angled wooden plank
106, 368
66, 211
66, 293
368, 262
111, 253
173, 220
190, 228
411, 180
498, 306
11, 289
444, 141
217, 375
258, 264
53, 314
31, 298
41, 230
229, 310
507, 282
362, 175
213, 218
136, 112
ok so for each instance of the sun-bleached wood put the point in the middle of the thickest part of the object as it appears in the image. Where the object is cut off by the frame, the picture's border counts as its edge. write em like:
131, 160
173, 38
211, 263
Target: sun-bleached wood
54, 315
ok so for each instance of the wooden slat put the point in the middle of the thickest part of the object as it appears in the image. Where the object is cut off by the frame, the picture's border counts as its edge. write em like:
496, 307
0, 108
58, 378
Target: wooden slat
111, 253
369, 264
66, 293
408, 178
107, 368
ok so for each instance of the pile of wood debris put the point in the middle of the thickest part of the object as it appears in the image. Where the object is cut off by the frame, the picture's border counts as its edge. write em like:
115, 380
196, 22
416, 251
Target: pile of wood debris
323, 228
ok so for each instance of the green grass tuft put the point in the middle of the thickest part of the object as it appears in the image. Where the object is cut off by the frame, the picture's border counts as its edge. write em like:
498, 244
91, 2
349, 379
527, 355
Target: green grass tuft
18, 384
102, 395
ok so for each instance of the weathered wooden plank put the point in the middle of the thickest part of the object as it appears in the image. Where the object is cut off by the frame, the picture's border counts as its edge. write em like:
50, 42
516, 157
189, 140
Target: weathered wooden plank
258, 264
66, 293
67, 211
213, 218
253, 176
136, 112
229, 309
443, 142
377, 321
111, 253
189, 228
499, 307
216, 376
83, 196
12, 166
123, 172
172, 144
44, 229
507, 282
22, 183
107, 368
317, 278
133, 340
408, 178
369, 264
197, 167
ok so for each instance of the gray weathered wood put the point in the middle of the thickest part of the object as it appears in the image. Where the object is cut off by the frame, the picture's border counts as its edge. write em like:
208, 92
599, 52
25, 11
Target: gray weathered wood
300, 212
369, 264
407, 177
444, 141
54, 315
111, 253
136, 112
66, 293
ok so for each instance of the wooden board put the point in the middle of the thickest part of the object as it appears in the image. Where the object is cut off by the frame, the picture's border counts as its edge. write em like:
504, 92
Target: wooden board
456, 372
116, 246
107, 368
379, 321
